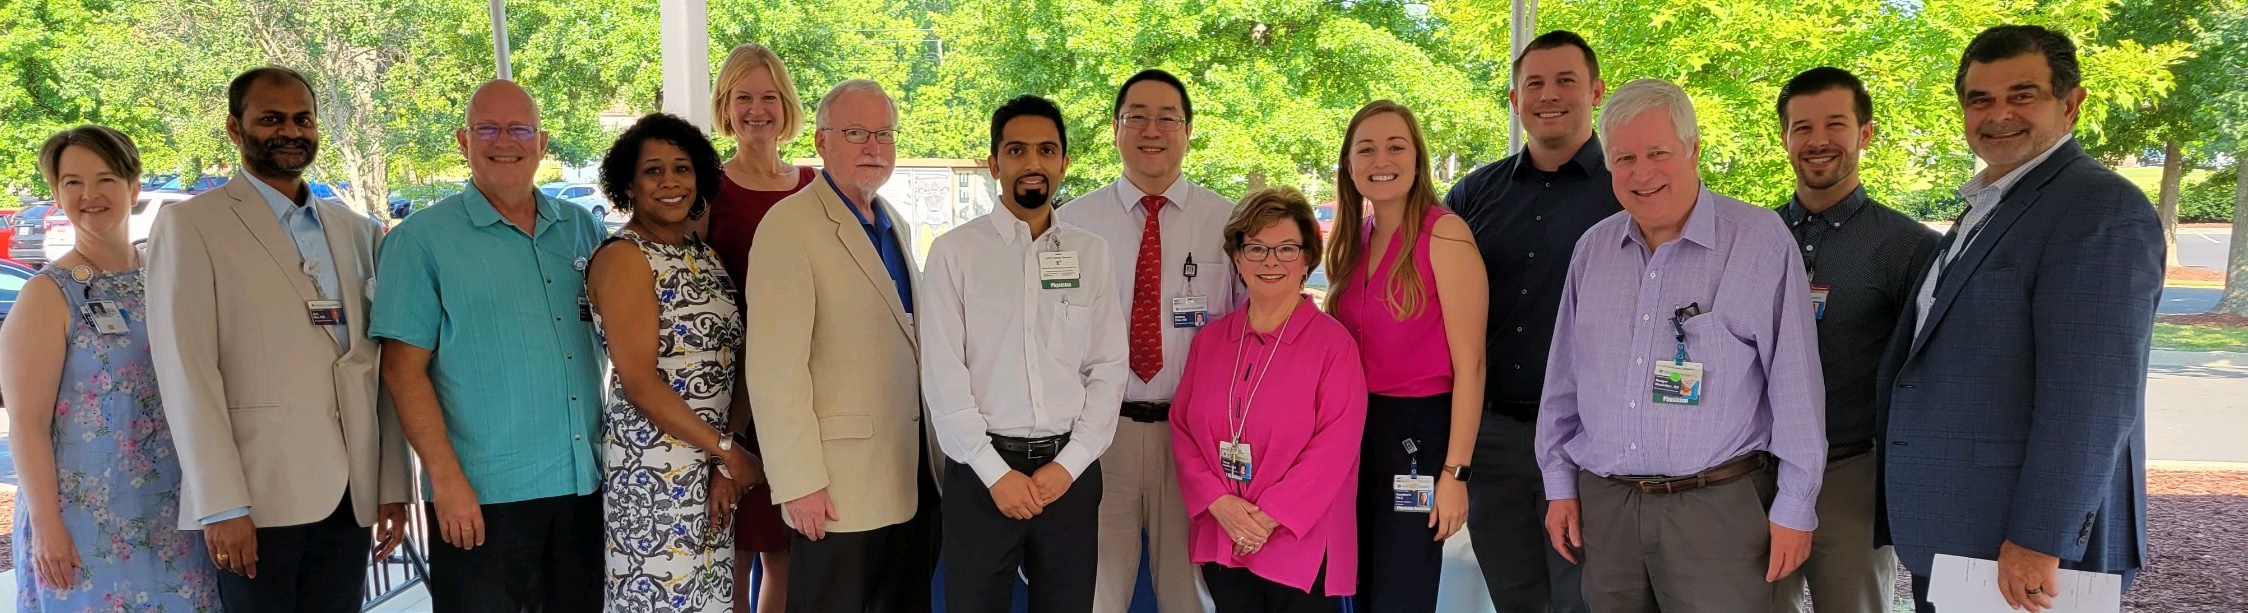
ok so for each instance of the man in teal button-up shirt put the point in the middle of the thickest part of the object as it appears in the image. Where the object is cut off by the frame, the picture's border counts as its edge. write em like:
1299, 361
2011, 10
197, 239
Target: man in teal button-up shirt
492, 361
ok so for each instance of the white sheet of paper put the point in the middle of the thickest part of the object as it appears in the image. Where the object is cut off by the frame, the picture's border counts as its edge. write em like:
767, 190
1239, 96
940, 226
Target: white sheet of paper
1968, 585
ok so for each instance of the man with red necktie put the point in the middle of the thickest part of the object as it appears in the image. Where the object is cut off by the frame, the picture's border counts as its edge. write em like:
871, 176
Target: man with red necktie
1180, 279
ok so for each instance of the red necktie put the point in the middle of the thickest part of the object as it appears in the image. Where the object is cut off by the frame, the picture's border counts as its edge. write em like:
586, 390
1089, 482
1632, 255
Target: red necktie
1147, 296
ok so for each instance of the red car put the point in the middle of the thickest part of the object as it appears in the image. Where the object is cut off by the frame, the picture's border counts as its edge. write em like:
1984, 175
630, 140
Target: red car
1325, 213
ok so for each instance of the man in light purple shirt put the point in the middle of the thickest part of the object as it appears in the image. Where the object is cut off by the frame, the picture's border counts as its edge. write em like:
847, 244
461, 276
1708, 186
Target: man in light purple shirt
1682, 431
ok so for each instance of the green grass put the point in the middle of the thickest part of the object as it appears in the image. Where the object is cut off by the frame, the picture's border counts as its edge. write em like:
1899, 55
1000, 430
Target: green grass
2179, 337
2149, 178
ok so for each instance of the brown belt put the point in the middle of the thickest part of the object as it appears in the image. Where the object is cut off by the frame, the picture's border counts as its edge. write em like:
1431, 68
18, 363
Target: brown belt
1724, 473
1849, 450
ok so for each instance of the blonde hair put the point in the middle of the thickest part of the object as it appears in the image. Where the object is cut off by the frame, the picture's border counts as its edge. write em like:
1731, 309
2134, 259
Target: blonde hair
739, 63
1403, 291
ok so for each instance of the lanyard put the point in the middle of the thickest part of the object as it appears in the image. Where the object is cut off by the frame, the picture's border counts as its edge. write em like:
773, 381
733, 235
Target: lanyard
1237, 412
1678, 328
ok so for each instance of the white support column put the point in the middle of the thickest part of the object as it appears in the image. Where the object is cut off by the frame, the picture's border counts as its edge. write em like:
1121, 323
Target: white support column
686, 60
503, 70
1525, 27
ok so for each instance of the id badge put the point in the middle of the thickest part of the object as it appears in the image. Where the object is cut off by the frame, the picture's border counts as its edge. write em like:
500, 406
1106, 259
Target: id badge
1057, 270
325, 312
107, 319
1190, 312
1235, 460
585, 309
1818, 300
1678, 383
1414, 494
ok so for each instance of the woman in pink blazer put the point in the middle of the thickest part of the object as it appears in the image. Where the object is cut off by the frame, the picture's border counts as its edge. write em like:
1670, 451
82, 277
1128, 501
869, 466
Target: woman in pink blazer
1266, 427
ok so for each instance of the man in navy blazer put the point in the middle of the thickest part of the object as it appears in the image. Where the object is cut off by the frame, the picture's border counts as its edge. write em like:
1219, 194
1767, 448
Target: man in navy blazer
2014, 396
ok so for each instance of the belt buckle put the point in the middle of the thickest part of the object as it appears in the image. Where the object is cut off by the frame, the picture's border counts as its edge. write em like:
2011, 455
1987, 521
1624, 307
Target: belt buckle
1665, 486
1033, 451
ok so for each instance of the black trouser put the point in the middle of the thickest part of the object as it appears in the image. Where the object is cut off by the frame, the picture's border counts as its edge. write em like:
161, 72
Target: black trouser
1506, 515
1238, 590
320, 567
539, 556
1401, 558
1056, 550
884, 570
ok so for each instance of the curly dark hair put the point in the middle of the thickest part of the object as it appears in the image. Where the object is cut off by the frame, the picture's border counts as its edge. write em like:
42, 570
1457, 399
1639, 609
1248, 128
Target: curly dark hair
623, 160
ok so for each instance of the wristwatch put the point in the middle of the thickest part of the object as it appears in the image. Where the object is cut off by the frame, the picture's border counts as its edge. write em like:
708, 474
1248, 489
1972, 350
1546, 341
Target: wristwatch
725, 443
1460, 472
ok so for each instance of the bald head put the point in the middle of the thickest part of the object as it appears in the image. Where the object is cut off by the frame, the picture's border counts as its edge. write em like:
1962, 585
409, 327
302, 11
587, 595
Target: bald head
502, 141
503, 102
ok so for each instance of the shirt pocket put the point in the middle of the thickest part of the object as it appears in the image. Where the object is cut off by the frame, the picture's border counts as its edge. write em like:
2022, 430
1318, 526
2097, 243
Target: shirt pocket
1713, 343
1068, 328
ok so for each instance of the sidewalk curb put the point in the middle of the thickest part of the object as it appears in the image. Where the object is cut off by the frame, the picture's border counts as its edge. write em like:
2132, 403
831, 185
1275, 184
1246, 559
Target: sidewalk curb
2196, 466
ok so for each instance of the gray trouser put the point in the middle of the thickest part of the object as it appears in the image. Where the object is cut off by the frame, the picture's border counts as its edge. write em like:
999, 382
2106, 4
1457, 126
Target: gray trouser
1698, 551
1846, 572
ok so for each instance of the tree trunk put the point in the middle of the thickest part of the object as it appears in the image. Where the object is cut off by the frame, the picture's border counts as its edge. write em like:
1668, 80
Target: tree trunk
2235, 300
2173, 169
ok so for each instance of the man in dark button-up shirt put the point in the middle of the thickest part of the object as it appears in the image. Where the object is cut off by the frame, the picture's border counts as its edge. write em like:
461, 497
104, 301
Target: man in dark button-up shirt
1862, 259
1527, 212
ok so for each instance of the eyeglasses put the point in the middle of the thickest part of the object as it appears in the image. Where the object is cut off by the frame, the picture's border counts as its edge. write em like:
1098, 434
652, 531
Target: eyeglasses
858, 136
1257, 252
1165, 123
519, 132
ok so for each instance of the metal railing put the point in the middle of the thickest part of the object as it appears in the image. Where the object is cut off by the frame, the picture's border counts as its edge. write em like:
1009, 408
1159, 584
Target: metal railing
400, 571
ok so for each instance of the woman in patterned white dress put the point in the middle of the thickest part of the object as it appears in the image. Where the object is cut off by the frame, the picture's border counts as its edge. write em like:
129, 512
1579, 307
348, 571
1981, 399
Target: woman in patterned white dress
664, 307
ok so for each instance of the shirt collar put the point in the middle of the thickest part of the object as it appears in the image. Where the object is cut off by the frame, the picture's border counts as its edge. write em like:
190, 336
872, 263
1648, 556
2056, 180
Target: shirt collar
1588, 159
1981, 186
482, 213
1129, 195
1298, 321
1701, 224
1794, 213
881, 220
280, 204
1012, 229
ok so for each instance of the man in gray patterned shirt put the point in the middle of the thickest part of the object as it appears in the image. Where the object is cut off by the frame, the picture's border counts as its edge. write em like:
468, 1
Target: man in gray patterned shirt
1863, 259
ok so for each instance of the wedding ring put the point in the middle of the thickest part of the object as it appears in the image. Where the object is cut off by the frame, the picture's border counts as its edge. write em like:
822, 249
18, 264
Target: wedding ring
222, 557
2036, 590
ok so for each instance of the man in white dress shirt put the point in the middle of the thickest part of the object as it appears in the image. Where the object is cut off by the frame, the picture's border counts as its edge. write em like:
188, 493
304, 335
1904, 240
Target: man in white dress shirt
1166, 234
1022, 366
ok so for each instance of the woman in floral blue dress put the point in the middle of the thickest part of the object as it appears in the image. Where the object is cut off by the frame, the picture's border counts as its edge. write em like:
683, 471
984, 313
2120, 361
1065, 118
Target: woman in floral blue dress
97, 513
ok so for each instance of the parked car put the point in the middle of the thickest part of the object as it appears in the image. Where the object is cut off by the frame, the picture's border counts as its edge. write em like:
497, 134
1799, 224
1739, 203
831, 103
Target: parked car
155, 182
199, 185
1325, 214
29, 246
594, 203
561, 190
61, 236
12, 278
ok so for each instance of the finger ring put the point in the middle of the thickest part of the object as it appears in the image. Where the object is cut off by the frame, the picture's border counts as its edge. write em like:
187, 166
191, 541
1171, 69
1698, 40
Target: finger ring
2036, 590
222, 557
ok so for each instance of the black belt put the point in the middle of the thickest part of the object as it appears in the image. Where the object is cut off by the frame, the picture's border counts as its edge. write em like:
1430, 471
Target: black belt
1033, 448
1145, 412
1846, 451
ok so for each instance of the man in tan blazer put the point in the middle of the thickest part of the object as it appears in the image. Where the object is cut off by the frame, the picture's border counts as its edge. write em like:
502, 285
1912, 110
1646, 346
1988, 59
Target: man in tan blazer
258, 305
833, 376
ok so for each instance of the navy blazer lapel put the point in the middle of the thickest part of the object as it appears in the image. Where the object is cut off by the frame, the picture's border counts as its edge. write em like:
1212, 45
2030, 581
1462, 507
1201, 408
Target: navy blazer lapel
2017, 202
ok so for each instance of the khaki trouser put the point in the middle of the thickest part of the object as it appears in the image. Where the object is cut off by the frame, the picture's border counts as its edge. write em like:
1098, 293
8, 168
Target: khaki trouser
1699, 551
1141, 493
1846, 573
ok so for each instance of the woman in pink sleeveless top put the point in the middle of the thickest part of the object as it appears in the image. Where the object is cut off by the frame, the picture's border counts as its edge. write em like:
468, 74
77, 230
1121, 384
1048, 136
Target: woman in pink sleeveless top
1410, 286
754, 102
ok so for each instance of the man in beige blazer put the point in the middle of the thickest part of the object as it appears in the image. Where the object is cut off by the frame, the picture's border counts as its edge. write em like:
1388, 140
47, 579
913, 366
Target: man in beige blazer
258, 303
833, 373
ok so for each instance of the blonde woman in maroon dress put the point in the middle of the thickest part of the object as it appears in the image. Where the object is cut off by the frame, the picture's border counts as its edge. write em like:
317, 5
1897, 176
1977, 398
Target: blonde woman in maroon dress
754, 102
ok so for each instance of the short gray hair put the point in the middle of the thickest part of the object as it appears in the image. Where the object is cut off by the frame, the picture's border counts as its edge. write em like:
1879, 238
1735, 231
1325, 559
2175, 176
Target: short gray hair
819, 118
1645, 95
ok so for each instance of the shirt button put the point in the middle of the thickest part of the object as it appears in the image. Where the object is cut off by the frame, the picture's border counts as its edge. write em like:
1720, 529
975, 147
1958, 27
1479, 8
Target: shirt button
569, 357
1634, 404
549, 281
577, 437
558, 319
1549, 184
1525, 292
1642, 317
1810, 247
1533, 254
1633, 360
1518, 328
1635, 446
1538, 218
1518, 367
1650, 275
